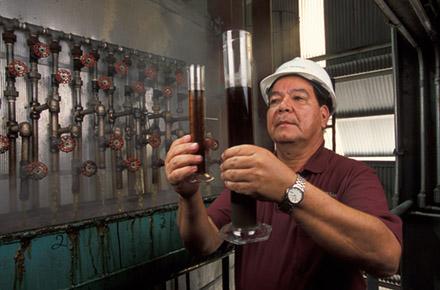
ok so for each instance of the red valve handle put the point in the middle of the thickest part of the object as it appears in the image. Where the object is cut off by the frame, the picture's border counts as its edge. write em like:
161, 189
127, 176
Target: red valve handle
121, 68
180, 77
88, 60
151, 72
138, 87
154, 140
116, 142
132, 164
104, 83
63, 76
41, 50
89, 168
36, 170
17, 68
67, 144
4, 144
167, 91
211, 143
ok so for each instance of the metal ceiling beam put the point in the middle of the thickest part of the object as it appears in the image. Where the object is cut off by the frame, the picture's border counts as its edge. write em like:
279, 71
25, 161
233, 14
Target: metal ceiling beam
424, 19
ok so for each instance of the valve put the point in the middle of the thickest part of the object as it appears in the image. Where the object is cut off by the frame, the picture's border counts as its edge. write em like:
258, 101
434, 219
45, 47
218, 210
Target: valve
67, 144
104, 83
87, 59
36, 170
121, 68
4, 144
41, 50
167, 91
116, 142
88, 168
63, 76
180, 77
132, 164
154, 140
211, 143
17, 68
151, 72
138, 87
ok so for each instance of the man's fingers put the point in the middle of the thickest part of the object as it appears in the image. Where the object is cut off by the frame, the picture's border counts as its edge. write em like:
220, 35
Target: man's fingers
246, 150
238, 162
180, 161
182, 148
181, 174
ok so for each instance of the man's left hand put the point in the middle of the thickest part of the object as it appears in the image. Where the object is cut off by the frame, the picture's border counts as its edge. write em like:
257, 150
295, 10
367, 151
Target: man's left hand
255, 171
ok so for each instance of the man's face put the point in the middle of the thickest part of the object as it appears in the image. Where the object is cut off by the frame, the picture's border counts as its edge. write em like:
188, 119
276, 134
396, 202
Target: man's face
294, 114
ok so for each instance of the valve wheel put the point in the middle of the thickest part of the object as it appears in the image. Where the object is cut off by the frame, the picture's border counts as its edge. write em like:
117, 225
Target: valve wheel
116, 142
121, 68
41, 50
211, 143
67, 144
88, 60
132, 164
180, 77
17, 68
154, 140
138, 87
4, 144
167, 91
36, 170
104, 83
63, 76
151, 72
89, 168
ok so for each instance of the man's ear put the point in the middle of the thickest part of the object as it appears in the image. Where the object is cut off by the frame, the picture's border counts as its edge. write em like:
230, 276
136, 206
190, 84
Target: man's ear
325, 115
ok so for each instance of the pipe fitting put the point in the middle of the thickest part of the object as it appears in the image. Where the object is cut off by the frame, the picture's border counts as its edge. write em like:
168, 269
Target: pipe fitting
25, 129
54, 106
75, 131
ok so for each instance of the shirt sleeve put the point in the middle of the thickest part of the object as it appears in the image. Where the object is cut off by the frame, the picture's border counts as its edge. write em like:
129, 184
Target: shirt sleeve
220, 210
363, 190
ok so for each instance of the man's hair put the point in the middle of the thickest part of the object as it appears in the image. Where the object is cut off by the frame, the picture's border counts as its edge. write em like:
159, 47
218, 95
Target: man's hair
322, 95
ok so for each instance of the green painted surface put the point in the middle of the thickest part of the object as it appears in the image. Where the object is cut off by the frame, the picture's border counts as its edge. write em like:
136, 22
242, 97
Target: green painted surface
88, 257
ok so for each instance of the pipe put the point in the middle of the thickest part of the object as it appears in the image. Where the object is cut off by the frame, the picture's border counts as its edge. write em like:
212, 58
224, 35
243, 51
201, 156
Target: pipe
437, 119
421, 196
11, 95
25, 133
77, 118
398, 152
54, 125
424, 19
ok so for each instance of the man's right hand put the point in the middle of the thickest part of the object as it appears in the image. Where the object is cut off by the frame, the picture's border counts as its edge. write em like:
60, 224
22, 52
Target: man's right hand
180, 163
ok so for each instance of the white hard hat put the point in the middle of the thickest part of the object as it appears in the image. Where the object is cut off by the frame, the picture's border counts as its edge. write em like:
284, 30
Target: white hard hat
305, 68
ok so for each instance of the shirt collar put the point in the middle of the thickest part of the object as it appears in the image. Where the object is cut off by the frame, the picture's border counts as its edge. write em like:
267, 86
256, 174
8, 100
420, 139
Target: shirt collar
318, 162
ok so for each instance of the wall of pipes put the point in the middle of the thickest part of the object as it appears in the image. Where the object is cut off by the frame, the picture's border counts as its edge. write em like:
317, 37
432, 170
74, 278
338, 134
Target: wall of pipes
90, 107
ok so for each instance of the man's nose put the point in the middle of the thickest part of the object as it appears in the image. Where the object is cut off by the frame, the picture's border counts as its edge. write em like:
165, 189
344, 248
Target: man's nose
285, 105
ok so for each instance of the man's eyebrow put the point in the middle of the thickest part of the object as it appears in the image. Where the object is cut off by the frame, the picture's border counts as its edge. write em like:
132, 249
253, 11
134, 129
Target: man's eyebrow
290, 92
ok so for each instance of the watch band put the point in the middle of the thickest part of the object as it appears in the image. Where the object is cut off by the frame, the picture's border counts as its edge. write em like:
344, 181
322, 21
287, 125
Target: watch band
286, 205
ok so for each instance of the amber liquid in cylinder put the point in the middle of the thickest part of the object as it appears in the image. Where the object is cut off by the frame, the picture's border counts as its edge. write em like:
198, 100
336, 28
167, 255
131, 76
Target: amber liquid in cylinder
239, 106
197, 124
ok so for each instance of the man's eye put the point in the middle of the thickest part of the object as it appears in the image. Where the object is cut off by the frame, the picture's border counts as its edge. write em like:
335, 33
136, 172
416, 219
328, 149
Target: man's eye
274, 101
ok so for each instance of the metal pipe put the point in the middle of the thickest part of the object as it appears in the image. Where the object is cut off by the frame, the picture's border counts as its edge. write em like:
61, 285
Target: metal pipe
398, 144
25, 133
77, 118
54, 125
437, 119
11, 95
421, 196
424, 19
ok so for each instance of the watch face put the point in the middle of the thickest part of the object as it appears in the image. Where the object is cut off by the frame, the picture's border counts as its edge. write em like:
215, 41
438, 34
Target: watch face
295, 195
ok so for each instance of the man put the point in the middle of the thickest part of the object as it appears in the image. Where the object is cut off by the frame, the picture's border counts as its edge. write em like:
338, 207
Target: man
328, 213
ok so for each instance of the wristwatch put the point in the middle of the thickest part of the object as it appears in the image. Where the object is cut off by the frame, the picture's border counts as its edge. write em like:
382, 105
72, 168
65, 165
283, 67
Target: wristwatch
293, 196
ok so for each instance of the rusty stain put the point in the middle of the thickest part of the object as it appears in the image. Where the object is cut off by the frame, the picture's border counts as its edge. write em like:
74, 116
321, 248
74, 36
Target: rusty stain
75, 265
102, 229
19, 261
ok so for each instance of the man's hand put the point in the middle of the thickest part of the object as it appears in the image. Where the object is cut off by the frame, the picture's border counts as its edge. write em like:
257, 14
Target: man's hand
255, 171
180, 164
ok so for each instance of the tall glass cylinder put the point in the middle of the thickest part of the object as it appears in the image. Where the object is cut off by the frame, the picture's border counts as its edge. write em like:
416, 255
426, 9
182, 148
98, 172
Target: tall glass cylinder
196, 109
237, 61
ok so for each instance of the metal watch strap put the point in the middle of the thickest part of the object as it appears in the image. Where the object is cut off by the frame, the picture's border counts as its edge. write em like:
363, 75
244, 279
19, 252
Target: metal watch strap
285, 205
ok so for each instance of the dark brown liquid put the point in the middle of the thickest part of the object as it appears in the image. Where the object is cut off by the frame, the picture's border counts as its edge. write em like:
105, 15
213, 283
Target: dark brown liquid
239, 105
197, 123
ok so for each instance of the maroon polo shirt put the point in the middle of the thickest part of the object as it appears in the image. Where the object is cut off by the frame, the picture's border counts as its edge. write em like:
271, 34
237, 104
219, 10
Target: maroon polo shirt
290, 259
